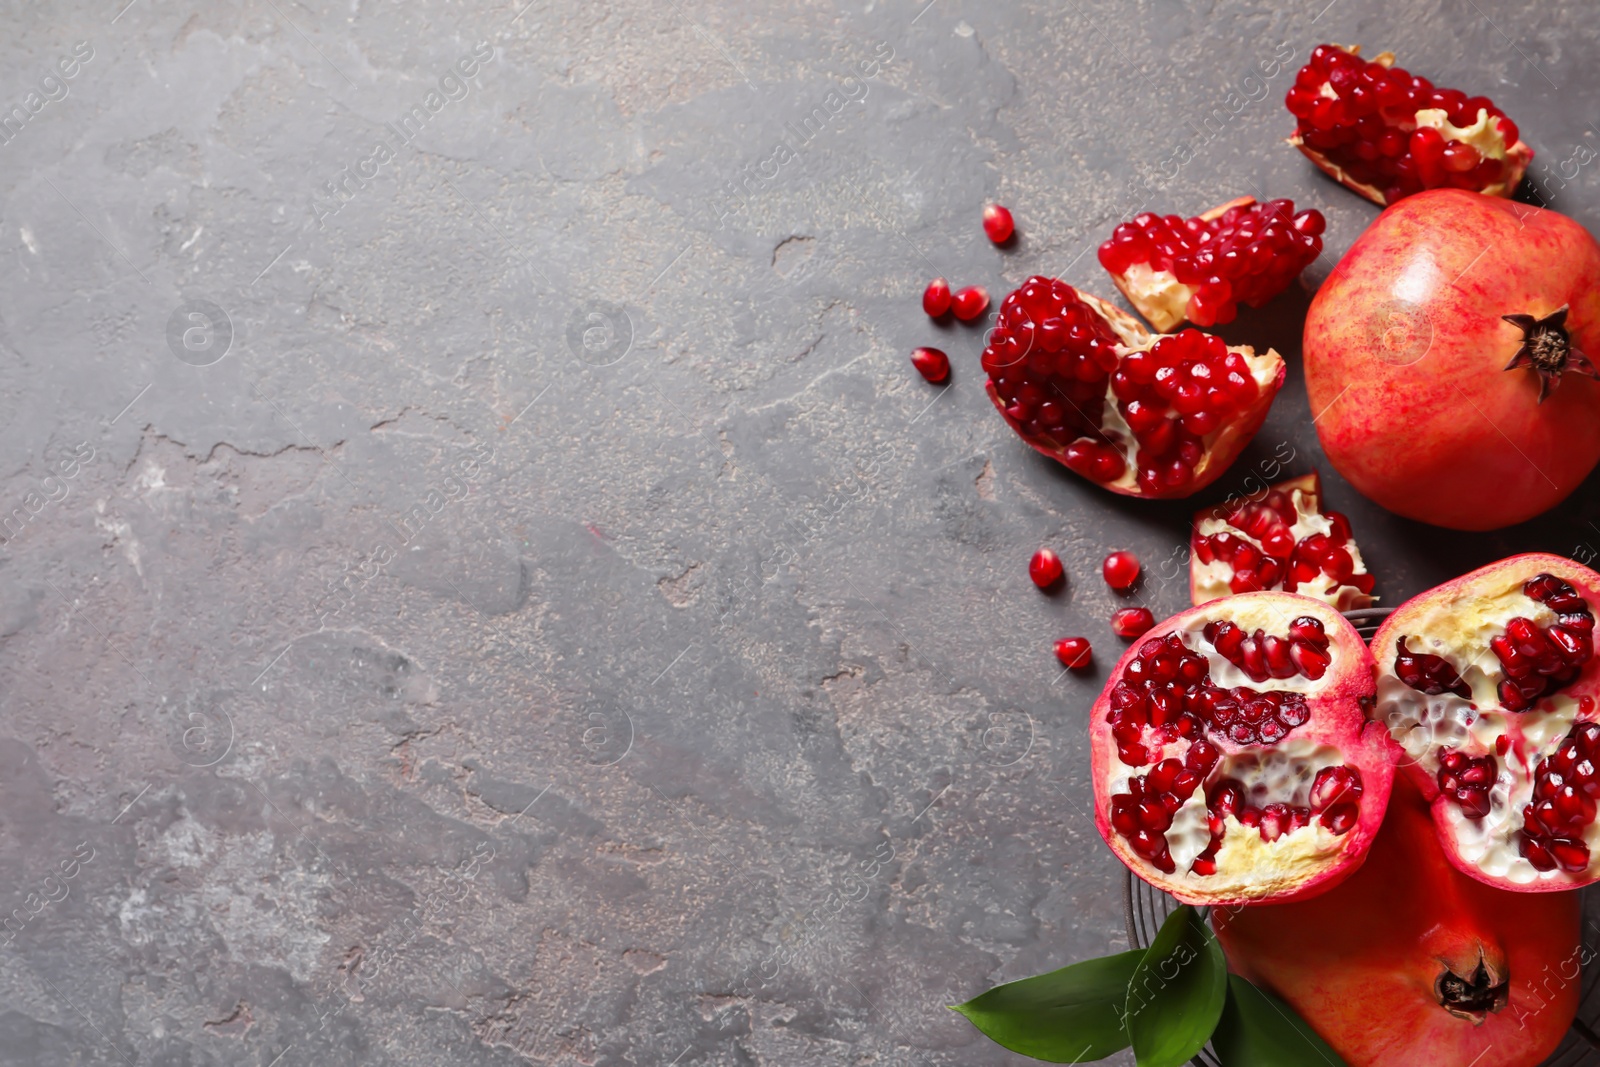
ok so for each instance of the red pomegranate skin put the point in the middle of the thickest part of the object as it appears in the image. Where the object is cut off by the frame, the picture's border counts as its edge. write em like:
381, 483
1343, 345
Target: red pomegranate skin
1405, 356
1361, 963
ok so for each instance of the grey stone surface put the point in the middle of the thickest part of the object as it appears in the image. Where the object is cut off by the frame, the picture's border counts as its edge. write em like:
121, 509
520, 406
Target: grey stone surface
547, 621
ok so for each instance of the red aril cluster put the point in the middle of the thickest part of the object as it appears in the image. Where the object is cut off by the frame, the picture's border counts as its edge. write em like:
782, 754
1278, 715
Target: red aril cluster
1539, 661
1278, 539
1304, 650
1565, 785
1388, 134
1202, 269
1467, 780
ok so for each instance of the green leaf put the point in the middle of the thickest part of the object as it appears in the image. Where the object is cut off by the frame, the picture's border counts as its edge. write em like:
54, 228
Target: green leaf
1259, 1030
1073, 1015
1176, 993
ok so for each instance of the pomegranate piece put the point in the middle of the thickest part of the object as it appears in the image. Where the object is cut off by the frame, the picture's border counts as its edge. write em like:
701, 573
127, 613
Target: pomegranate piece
1044, 568
1141, 415
1426, 360
1075, 653
936, 298
1489, 682
1279, 538
1462, 971
1202, 269
970, 302
1121, 570
1219, 786
997, 223
931, 363
1131, 622
1387, 134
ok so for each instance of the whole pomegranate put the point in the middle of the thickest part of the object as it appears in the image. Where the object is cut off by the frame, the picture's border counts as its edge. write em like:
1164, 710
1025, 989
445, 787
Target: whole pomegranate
1446, 355
1232, 756
1410, 962
1490, 682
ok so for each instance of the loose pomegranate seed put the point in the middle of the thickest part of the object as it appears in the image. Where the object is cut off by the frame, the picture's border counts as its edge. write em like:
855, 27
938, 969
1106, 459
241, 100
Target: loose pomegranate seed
1074, 652
1044, 568
1202, 269
1565, 785
931, 363
1121, 569
1258, 547
1387, 134
1428, 673
971, 302
936, 297
997, 223
1538, 661
1131, 622
1166, 693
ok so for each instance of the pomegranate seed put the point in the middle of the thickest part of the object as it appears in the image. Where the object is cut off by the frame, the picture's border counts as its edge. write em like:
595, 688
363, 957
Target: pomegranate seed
997, 223
1121, 570
1358, 121
936, 297
931, 363
970, 302
1074, 652
1131, 622
1239, 253
1044, 568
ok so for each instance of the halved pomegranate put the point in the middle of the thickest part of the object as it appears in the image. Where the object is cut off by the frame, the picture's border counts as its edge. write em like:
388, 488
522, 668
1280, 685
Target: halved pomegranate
1142, 415
1489, 682
1232, 755
1202, 269
1279, 538
1387, 134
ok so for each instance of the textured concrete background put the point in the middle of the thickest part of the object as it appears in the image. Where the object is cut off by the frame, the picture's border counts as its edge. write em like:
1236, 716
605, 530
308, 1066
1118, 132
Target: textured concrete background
504, 597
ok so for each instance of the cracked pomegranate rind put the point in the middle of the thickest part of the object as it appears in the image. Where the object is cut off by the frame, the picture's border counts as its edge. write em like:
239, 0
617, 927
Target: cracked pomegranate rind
1233, 759
1490, 684
1279, 538
1140, 414
1387, 134
1201, 269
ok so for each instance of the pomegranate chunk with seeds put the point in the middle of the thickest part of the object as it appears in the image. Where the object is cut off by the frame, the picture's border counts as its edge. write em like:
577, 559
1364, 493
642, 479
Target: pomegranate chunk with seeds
1278, 538
1202, 269
1186, 759
1141, 415
1387, 134
1489, 683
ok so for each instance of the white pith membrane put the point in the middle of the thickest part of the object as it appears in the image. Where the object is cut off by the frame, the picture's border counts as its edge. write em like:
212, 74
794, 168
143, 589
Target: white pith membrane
1483, 135
1459, 631
1209, 581
1248, 866
1134, 337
